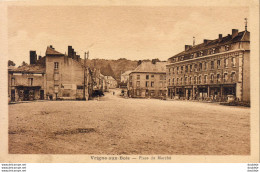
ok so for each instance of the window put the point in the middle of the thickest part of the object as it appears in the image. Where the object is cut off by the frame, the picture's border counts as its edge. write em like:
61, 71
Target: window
213, 50
138, 77
190, 80
177, 81
178, 70
191, 68
225, 77
212, 64
205, 79
212, 78
185, 80
152, 84
201, 53
147, 84
205, 65
173, 70
30, 80
196, 67
152, 76
161, 77
56, 65
137, 83
218, 78
191, 56
233, 61
13, 81
172, 81
218, 64
226, 62
227, 47
147, 76
200, 66
186, 68
181, 81
138, 92
195, 79
169, 82
181, 69
169, 71
199, 79
233, 77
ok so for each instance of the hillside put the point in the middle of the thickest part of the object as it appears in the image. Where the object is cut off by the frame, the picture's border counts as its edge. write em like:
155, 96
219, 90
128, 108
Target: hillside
112, 67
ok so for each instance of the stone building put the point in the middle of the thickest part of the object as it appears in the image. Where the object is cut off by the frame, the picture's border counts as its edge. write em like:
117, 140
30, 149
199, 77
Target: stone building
148, 80
216, 70
111, 82
65, 75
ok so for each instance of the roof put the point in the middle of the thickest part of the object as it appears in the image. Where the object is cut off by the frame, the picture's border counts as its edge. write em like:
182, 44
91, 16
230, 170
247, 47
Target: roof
216, 42
28, 69
126, 72
52, 51
149, 67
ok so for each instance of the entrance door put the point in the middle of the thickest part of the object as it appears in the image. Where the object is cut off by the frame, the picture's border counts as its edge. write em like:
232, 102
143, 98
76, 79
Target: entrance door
42, 94
12, 95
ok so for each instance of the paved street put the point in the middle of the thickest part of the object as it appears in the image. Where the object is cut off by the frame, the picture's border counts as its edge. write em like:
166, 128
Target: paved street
115, 125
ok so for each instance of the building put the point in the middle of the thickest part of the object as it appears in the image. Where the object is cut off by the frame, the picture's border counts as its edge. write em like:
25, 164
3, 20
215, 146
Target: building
111, 82
148, 80
216, 70
54, 76
26, 83
65, 75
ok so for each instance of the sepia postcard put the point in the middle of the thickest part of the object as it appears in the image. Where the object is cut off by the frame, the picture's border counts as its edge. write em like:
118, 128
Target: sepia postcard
115, 81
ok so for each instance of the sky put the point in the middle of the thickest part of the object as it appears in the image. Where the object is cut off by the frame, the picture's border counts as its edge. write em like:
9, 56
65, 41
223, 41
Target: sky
113, 32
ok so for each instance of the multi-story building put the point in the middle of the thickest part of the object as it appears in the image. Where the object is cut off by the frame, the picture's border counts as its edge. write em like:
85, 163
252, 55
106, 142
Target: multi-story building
214, 70
54, 76
111, 82
148, 80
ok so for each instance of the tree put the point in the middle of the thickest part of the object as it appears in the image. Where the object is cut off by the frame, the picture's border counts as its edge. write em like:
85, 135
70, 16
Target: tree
11, 63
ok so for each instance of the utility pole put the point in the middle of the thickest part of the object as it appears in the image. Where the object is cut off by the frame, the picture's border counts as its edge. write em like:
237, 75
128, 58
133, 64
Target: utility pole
84, 85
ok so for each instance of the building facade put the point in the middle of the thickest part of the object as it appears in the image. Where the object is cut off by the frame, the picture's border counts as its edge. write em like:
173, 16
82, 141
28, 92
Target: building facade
148, 80
217, 70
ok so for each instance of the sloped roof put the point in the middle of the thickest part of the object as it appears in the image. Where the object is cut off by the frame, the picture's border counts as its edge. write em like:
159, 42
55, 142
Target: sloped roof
29, 69
51, 51
216, 42
150, 67
126, 72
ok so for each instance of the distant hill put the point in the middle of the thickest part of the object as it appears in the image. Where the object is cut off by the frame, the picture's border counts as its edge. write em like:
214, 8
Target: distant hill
112, 67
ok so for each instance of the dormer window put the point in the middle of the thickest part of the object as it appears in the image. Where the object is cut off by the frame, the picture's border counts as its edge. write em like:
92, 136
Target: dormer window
192, 55
201, 53
227, 48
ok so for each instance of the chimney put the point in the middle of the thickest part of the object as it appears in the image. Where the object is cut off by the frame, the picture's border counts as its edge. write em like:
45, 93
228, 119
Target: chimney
234, 33
33, 57
220, 36
206, 41
187, 47
70, 51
